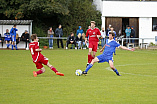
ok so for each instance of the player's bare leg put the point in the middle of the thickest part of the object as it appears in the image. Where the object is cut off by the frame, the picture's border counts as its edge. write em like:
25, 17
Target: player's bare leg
38, 72
113, 68
89, 56
90, 65
54, 69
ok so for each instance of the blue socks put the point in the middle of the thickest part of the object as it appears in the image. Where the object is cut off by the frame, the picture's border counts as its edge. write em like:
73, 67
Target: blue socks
12, 47
88, 67
116, 71
16, 47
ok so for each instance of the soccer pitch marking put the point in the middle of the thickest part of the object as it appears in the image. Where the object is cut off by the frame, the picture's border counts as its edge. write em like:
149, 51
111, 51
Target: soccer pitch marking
108, 68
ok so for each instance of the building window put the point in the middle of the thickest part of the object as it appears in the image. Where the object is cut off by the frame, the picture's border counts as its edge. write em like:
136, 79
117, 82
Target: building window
154, 23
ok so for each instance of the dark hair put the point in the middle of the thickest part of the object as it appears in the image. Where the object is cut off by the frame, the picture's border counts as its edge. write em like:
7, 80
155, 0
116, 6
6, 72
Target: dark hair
112, 33
50, 27
33, 36
14, 26
71, 33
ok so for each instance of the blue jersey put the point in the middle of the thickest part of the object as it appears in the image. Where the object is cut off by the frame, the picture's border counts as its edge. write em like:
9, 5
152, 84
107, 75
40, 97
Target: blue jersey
107, 55
13, 33
110, 47
7, 36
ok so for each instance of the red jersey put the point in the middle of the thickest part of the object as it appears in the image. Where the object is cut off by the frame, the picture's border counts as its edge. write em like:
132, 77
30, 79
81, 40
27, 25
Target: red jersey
92, 33
36, 55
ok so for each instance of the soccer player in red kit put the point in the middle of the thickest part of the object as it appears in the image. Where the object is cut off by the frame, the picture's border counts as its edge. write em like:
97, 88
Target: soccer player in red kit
94, 35
38, 58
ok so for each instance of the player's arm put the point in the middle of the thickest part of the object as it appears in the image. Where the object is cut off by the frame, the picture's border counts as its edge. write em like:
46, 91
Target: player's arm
99, 34
86, 37
102, 49
38, 50
125, 48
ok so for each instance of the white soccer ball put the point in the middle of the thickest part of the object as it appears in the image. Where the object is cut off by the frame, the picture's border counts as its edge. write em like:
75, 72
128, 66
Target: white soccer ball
78, 72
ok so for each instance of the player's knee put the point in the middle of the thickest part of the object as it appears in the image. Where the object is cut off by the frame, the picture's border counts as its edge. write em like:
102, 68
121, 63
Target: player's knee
43, 69
111, 66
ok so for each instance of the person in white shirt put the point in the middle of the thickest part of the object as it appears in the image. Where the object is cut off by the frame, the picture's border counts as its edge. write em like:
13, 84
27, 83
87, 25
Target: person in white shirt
103, 35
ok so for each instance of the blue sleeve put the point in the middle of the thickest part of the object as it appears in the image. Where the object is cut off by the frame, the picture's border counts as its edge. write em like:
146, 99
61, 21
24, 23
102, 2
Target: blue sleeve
16, 29
117, 44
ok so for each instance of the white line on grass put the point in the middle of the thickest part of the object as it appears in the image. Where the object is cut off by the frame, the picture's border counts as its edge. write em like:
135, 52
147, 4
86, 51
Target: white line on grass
108, 68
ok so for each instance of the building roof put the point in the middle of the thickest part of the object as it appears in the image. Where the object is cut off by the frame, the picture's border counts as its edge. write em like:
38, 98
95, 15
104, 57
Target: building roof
17, 22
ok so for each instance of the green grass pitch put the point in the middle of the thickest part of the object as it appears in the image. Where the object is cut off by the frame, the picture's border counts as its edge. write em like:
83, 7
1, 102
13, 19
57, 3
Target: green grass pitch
137, 85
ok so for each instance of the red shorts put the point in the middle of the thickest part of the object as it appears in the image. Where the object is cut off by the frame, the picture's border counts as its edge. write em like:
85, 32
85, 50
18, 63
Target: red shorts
42, 60
93, 45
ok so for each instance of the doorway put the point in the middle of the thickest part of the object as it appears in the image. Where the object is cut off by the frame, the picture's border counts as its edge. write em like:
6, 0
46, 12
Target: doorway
125, 24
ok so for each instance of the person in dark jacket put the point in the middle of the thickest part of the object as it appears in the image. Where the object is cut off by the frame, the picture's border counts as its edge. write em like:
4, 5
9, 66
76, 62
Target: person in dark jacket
59, 33
132, 34
25, 37
71, 40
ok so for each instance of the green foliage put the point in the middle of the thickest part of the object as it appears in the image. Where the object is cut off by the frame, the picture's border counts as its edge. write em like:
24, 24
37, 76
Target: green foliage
81, 13
69, 13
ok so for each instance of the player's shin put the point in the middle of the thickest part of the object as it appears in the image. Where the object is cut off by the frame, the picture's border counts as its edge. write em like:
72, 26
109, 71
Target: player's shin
116, 71
88, 67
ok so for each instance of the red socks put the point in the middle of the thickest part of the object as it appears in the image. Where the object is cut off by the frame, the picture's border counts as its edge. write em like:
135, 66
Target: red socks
90, 58
39, 72
53, 69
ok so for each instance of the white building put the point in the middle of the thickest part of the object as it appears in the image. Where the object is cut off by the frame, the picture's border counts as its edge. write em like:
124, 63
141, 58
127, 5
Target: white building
22, 25
122, 13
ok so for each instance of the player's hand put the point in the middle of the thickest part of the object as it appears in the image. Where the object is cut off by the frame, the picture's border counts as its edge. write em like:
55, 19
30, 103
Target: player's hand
101, 50
98, 36
132, 49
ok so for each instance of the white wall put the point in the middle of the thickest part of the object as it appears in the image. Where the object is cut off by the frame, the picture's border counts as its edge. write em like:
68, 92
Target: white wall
129, 9
21, 29
145, 29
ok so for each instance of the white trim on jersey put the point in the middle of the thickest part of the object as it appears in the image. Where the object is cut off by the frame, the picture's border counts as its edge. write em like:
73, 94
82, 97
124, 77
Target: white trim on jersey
37, 57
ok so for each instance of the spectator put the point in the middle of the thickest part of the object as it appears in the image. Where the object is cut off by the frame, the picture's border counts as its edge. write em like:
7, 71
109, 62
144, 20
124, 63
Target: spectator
128, 31
79, 40
108, 29
59, 33
132, 34
17, 38
79, 31
50, 34
83, 40
25, 37
71, 40
13, 36
7, 37
103, 35
112, 30
0, 38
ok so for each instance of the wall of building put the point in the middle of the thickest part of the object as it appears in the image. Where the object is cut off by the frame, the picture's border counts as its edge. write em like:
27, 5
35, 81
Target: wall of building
145, 30
129, 9
144, 10
21, 29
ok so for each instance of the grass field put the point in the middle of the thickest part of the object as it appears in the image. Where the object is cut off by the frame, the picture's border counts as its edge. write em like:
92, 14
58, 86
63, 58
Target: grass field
137, 85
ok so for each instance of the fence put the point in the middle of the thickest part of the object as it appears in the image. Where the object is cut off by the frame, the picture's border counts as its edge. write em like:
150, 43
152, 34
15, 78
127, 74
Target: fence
142, 42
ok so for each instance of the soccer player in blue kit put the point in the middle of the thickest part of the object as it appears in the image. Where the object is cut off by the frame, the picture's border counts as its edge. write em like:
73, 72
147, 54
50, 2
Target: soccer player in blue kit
13, 36
107, 55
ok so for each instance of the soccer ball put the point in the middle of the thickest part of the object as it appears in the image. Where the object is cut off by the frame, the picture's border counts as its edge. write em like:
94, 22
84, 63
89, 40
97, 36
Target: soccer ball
78, 72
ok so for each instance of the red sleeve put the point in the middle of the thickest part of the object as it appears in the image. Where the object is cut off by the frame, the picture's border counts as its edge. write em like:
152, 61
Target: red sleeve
87, 33
99, 32
36, 46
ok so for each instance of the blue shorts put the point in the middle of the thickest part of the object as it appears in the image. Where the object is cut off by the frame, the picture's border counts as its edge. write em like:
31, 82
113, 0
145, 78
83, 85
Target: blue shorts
103, 58
8, 40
